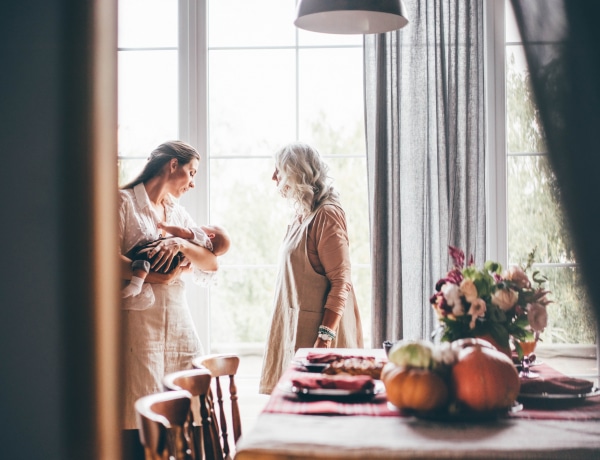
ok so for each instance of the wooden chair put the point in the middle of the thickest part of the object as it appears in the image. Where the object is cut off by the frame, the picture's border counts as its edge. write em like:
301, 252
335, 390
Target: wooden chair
223, 365
204, 431
162, 421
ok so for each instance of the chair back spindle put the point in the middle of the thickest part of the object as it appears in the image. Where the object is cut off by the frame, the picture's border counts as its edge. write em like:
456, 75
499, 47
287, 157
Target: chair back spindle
205, 432
224, 366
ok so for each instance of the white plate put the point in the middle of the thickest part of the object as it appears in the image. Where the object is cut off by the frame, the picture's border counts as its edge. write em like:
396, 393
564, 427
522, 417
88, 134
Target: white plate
327, 393
559, 396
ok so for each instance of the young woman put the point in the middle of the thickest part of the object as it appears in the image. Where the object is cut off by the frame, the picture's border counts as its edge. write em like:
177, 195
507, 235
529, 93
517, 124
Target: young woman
159, 335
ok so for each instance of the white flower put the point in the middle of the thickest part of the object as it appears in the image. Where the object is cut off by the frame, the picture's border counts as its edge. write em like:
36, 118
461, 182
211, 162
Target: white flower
505, 299
477, 309
537, 316
452, 295
468, 289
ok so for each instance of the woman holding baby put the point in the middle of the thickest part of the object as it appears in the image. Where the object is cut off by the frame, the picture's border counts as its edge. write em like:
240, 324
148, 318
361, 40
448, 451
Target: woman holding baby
159, 334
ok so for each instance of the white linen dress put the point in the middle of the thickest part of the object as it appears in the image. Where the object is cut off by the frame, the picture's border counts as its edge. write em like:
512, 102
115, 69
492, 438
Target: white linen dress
159, 334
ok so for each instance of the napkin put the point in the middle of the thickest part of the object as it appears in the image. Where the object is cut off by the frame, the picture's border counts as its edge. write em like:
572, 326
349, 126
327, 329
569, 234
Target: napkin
328, 357
338, 382
556, 385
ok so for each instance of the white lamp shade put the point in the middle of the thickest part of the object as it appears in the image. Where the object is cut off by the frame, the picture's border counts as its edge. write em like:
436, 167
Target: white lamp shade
351, 16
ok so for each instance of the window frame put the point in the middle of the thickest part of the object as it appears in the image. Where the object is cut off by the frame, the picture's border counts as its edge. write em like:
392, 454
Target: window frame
496, 162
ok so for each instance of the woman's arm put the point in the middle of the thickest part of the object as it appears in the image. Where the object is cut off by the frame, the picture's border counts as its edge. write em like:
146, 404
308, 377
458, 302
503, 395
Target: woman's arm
164, 252
152, 277
328, 252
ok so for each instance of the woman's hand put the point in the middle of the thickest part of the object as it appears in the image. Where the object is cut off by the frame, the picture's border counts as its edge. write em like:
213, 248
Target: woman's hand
320, 343
163, 253
165, 278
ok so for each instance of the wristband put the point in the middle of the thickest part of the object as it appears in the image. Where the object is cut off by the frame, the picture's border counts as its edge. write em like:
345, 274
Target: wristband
326, 333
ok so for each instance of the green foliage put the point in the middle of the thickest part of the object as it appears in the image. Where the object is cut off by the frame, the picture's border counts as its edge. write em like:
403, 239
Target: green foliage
535, 218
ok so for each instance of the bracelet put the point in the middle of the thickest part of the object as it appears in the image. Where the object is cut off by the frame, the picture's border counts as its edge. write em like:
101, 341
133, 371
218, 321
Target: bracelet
326, 333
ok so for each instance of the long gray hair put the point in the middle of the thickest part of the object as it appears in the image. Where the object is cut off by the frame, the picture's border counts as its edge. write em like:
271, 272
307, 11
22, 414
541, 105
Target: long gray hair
160, 156
304, 177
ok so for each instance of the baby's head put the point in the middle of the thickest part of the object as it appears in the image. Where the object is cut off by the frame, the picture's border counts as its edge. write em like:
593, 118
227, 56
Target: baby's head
219, 238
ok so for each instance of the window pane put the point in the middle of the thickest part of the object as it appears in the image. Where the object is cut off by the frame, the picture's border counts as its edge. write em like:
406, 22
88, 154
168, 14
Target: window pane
252, 94
534, 216
331, 98
147, 23
148, 107
310, 38
244, 199
128, 169
524, 128
241, 305
570, 317
350, 180
510, 23
245, 23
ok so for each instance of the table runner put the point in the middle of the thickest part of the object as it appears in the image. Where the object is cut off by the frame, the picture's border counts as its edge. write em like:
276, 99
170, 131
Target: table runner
572, 409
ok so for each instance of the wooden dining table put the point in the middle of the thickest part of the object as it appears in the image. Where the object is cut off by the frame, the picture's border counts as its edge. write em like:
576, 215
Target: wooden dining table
291, 427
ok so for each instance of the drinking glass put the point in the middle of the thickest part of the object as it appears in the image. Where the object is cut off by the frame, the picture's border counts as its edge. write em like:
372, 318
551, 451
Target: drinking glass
528, 347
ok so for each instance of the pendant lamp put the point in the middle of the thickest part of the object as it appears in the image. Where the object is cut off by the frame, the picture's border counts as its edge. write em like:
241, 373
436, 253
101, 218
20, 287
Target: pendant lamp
351, 16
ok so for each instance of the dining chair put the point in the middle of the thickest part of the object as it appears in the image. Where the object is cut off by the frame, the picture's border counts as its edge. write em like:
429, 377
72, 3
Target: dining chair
162, 422
202, 421
221, 366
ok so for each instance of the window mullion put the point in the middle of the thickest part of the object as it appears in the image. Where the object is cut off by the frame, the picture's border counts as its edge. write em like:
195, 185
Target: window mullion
193, 129
496, 218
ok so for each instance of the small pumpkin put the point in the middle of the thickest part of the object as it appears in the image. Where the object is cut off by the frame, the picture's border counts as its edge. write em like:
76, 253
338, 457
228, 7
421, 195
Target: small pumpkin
484, 379
469, 342
416, 389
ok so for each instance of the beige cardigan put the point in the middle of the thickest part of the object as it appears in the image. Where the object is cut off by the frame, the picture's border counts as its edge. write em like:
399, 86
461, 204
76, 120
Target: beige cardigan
304, 289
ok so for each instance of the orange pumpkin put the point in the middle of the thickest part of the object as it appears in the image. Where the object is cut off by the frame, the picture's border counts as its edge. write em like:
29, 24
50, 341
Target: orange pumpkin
469, 342
503, 348
484, 379
417, 389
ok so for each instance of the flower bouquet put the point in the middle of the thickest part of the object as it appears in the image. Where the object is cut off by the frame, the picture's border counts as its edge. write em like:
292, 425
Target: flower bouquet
489, 303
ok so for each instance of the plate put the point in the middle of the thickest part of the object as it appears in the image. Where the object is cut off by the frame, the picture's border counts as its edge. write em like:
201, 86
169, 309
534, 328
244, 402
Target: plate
460, 414
311, 367
332, 393
559, 396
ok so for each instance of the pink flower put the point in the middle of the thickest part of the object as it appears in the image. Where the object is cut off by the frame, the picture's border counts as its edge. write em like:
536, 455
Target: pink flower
518, 276
477, 310
537, 316
505, 299
458, 256
468, 289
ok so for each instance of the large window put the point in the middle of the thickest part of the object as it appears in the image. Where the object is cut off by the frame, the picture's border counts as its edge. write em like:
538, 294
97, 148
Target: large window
262, 84
533, 216
148, 80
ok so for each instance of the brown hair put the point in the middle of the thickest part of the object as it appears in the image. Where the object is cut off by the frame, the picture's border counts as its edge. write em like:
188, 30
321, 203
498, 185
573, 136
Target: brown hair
161, 155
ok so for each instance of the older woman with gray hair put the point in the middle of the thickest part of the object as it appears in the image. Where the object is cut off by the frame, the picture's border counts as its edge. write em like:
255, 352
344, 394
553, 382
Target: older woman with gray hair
315, 304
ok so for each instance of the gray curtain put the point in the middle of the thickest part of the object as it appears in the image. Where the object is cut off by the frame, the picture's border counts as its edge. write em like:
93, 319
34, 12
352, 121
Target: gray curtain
424, 98
562, 46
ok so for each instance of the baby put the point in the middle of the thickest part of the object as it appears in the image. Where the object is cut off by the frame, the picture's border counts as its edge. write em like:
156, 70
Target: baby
217, 240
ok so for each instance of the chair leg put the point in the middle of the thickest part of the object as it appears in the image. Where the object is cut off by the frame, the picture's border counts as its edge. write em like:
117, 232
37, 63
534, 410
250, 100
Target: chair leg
235, 410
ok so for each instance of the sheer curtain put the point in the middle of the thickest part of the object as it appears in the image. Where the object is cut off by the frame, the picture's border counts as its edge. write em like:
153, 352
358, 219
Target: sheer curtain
562, 46
424, 98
